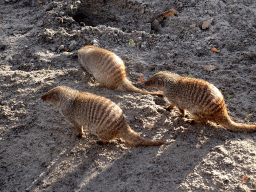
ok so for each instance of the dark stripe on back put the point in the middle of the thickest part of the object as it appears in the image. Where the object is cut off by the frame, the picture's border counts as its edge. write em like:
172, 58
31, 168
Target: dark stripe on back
97, 109
105, 115
101, 111
113, 120
196, 94
92, 107
192, 89
202, 90
106, 63
218, 107
204, 97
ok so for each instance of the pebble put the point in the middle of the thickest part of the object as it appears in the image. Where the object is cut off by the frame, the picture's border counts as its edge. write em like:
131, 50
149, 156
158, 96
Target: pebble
206, 25
143, 45
61, 47
72, 45
155, 25
95, 42
9, 58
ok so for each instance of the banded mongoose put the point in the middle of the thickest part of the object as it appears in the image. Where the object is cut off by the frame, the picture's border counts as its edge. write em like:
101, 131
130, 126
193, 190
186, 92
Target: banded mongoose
108, 69
103, 118
201, 98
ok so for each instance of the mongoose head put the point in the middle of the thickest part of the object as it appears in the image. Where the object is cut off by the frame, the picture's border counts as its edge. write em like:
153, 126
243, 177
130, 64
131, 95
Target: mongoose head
158, 80
54, 95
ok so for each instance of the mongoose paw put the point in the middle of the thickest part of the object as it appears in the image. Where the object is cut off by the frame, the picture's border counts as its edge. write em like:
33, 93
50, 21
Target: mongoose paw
167, 109
191, 121
195, 121
101, 142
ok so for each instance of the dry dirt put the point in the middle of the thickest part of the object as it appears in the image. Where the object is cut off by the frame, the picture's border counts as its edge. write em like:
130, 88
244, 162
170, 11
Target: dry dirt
39, 150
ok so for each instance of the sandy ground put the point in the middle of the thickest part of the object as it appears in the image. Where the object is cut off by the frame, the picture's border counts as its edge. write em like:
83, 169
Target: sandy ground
39, 150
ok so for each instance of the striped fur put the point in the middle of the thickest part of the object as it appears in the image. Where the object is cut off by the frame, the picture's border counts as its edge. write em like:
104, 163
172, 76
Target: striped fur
202, 99
100, 115
108, 69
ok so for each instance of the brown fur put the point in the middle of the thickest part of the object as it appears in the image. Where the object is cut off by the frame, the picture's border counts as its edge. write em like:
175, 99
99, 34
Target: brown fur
202, 99
102, 117
108, 69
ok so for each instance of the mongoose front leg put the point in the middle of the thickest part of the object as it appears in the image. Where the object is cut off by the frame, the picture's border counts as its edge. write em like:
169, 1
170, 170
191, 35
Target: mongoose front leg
78, 127
182, 111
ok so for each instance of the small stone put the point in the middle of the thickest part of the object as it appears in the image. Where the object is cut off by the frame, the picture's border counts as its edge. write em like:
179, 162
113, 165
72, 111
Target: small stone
2, 46
179, 5
155, 25
61, 47
143, 45
62, 13
193, 3
206, 25
72, 45
95, 42
9, 58
51, 6
53, 48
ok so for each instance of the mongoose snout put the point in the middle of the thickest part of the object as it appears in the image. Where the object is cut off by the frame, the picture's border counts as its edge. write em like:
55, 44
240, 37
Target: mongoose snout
201, 98
99, 115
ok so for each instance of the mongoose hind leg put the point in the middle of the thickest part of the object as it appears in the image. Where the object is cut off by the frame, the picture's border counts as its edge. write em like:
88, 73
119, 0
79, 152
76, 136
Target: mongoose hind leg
104, 137
79, 128
196, 120
170, 107
182, 111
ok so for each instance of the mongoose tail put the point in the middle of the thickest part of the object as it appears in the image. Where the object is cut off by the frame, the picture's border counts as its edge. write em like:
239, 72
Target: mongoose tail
134, 139
127, 85
235, 127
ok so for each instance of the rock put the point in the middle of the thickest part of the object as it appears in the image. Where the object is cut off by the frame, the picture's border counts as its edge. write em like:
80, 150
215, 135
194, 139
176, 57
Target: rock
206, 25
2, 46
9, 58
143, 45
61, 47
155, 25
53, 48
95, 42
193, 3
72, 45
